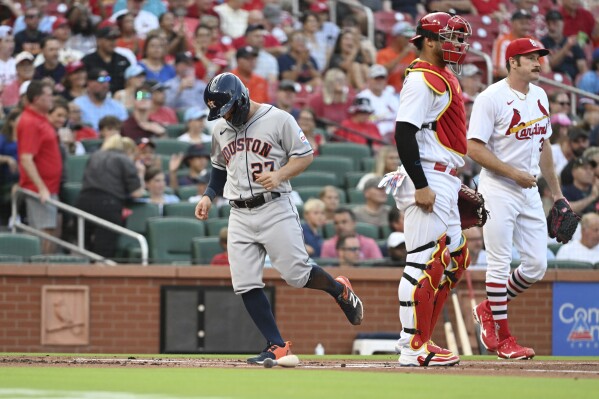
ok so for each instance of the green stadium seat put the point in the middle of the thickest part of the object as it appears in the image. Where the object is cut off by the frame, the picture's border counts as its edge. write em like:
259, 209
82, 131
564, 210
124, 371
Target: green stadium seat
357, 152
174, 131
368, 230
368, 164
336, 164
224, 211
314, 178
92, 145
326, 261
186, 210
70, 192
14, 259
170, 238
353, 178
568, 264
59, 258
355, 196
204, 249
213, 226
385, 232
328, 230
170, 146
186, 192
128, 247
75, 167
308, 192
20, 244
554, 247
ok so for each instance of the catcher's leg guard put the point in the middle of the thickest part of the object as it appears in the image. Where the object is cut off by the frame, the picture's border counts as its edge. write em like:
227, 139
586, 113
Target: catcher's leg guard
423, 293
460, 262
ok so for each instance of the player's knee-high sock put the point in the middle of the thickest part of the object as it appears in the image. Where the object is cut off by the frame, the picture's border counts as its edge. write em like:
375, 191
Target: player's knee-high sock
517, 284
321, 280
497, 294
258, 307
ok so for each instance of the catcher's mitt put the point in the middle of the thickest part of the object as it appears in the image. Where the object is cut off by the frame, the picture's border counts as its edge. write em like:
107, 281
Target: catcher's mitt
471, 205
562, 221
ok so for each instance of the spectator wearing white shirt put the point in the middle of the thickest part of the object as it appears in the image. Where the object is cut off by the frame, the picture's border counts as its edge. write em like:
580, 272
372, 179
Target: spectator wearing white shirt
383, 99
585, 249
233, 18
144, 22
195, 117
8, 69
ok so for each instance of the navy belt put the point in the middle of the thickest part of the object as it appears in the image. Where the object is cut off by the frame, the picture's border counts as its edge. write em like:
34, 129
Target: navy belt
255, 201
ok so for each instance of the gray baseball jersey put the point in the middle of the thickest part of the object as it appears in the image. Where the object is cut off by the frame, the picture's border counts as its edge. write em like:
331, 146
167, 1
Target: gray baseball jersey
265, 143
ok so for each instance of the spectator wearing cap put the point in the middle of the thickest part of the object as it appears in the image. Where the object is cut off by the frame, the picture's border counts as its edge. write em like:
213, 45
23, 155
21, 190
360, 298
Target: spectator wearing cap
147, 157
52, 67
197, 160
139, 125
110, 178
583, 192
154, 59
267, 65
327, 31
74, 81
128, 38
383, 100
43, 19
521, 27
270, 18
396, 248
566, 56
61, 31
176, 41
160, 112
144, 21
233, 18
106, 58
298, 65
399, 54
184, 90
347, 56
344, 220
375, 210
285, 97
195, 118
96, 103
589, 81
578, 141
30, 38
8, 71
358, 128
579, 21
24, 68
471, 81
135, 76
256, 84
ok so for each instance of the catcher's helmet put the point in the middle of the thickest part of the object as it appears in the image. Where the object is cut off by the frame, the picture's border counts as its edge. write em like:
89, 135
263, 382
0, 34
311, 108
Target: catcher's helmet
225, 92
451, 30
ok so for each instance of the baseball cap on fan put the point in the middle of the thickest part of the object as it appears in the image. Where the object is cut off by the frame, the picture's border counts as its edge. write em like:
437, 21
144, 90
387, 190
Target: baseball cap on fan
24, 56
396, 239
377, 71
524, 46
403, 28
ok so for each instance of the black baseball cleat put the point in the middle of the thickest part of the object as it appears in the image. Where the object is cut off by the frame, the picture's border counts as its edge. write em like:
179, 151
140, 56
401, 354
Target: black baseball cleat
349, 302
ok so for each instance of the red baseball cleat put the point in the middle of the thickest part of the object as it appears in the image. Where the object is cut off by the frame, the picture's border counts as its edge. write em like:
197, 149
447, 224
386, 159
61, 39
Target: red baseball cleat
509, 349
488, 333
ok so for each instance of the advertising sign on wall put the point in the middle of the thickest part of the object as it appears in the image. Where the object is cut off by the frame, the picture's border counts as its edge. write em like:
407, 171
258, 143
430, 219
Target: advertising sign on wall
575, 319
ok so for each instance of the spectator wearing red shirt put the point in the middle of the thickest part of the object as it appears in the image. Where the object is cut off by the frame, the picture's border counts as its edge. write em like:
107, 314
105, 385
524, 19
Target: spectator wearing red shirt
257, 85
221, 259
577, 19
25, 70
160, 112
199, 8
360, 112
40, 163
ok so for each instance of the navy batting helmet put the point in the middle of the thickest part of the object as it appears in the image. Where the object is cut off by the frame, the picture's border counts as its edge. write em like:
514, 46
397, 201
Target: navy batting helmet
225, 92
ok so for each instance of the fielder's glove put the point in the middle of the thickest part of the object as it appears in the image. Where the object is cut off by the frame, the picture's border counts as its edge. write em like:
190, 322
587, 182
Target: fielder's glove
562, 221
392, 181
471, 205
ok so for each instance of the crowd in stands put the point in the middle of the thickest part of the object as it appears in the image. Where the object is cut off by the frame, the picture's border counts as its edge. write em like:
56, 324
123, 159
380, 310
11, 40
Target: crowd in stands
118, 82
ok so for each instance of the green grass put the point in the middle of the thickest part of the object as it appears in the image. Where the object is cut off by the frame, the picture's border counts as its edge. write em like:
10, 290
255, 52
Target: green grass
70, 382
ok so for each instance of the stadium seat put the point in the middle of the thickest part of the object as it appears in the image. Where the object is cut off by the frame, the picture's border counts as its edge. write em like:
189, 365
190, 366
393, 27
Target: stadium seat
568, 264
59, 258
326, 261
308, 192
186, 210
213, 226
170, 238
174, 131
128, 247
186, 192
365, 229
384, 20
356, 152
70, 192
224, 211
355, 196
19, 244
314, 178
92, 145
170, 146
554, 247
353, 178
204, 249
368, 164
336, 164
14, 259
75, 167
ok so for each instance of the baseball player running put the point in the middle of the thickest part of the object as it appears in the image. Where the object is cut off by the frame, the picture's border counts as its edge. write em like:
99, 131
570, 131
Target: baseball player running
431, 142
508, 129
256, 149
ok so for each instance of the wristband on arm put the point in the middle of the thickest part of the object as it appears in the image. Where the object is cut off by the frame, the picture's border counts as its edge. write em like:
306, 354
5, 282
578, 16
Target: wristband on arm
407, 148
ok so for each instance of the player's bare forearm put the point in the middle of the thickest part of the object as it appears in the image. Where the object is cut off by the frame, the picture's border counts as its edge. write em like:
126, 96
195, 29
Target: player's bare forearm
485, 158
549, 174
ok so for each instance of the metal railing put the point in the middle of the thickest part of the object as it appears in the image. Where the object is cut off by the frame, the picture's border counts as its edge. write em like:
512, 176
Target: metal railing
82, 217
572, 90
367, 11
488, 63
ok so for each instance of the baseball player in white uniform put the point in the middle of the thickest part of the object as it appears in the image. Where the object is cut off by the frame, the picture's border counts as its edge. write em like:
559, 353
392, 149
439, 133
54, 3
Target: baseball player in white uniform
509, 137
256, 149
431, 141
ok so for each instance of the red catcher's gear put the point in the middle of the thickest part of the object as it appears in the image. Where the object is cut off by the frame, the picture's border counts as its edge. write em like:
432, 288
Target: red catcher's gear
451, 124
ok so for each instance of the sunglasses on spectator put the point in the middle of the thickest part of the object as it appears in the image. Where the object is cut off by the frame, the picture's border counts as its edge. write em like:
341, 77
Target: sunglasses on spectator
143, 95
31, 16
103, 79
353, 249
563, 102
593, 163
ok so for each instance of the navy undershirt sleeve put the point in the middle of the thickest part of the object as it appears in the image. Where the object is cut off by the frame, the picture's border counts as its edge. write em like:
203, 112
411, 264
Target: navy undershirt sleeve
218, 178
407, 148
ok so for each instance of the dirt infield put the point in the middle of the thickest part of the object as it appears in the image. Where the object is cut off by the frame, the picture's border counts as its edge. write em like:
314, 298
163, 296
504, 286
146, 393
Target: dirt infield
523, 368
